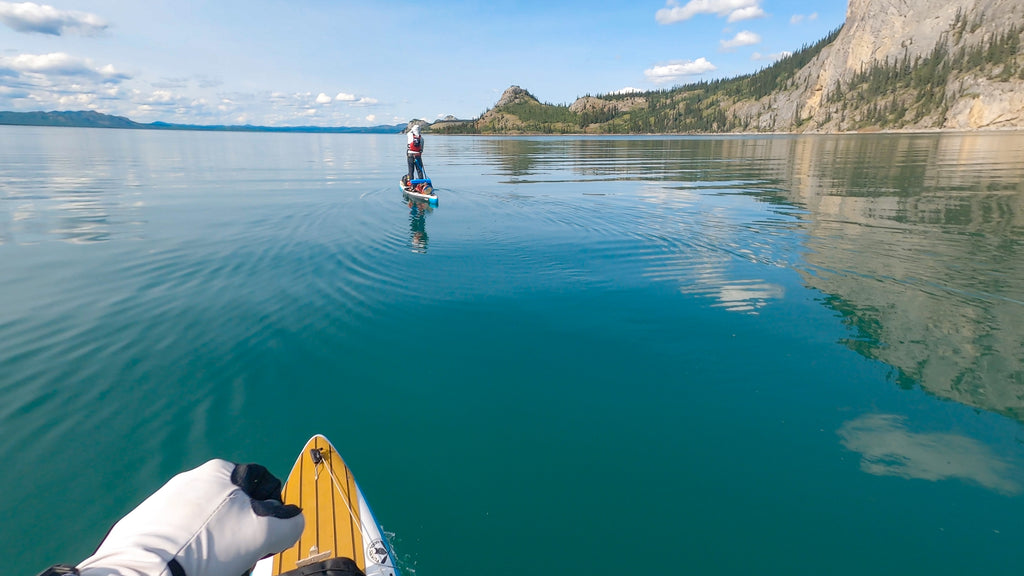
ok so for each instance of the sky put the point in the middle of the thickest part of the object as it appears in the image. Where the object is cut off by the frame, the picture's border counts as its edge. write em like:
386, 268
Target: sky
341, 63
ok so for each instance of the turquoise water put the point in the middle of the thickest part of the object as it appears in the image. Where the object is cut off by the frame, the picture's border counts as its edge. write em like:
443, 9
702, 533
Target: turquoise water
747, 355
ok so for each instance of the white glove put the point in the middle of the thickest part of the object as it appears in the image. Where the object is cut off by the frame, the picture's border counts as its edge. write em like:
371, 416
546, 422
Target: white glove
216, 520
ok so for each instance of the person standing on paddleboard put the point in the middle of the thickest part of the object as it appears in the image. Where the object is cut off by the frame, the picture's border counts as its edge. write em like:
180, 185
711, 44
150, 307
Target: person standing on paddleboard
414, 152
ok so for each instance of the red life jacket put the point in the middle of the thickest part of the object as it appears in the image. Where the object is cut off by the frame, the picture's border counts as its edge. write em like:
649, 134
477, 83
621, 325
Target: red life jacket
416, 145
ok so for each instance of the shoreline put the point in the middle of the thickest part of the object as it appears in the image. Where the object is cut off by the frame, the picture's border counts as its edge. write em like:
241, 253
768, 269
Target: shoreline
866, 132
358, 131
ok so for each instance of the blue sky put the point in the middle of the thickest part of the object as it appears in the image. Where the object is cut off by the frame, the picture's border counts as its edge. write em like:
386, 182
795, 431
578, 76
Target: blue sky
339, 63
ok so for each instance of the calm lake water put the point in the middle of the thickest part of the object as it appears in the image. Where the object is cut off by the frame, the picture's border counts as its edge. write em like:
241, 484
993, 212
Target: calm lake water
747, 355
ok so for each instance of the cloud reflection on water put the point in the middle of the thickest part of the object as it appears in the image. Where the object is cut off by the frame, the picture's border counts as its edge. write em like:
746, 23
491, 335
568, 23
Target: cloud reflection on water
748, 296
889, 448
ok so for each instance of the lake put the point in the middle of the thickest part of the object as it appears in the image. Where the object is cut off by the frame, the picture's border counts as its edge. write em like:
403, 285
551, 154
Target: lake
718, 355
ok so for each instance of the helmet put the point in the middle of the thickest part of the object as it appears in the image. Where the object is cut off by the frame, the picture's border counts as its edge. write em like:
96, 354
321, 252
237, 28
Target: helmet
416, 130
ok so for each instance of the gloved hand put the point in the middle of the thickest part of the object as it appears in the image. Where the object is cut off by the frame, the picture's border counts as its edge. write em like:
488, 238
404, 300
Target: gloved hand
215, 520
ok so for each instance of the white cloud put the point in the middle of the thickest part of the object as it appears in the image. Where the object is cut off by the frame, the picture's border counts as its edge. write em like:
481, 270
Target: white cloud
77, 101
744, 38
156, 104
59, 64
355, 100
676, 70
44, 19
735, 9
627, 90
161, 97
771, 57
746, 14
798, 18
322, 98
371, 118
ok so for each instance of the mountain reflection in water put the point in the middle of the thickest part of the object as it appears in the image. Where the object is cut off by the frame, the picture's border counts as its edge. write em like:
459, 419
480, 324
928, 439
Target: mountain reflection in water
917, 240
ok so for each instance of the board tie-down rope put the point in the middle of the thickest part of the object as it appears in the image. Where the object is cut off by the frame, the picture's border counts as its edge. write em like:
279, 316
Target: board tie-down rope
318, 460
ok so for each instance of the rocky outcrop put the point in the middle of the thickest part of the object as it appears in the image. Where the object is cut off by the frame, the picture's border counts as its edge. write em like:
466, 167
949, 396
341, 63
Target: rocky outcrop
415, 122
513, 95
590, 104
501, 121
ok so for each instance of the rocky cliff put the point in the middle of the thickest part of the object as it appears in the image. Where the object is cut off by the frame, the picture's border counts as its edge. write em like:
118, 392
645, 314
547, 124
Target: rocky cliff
877, 32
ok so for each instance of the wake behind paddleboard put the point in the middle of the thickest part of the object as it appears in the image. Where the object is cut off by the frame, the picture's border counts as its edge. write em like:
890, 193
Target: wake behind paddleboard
339, 523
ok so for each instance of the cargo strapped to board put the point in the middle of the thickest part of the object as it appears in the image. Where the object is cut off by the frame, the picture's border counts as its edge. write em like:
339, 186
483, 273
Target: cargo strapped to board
331, 567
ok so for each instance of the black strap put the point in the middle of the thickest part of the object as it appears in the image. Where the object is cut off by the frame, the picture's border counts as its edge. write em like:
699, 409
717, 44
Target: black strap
59, 570
175, 567
329, 567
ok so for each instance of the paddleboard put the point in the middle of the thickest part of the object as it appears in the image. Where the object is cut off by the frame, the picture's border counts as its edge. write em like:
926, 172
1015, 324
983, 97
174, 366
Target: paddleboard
339, 523
420, 189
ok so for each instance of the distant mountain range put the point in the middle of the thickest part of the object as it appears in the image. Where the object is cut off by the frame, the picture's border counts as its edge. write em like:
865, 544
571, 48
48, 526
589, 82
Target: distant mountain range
89, 119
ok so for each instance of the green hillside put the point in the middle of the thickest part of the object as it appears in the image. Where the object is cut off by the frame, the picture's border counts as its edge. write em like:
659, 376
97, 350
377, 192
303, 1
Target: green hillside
696, 107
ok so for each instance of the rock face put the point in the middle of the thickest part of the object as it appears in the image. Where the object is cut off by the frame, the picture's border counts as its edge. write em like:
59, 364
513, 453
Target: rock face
881, 30
877, 30
992, 105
